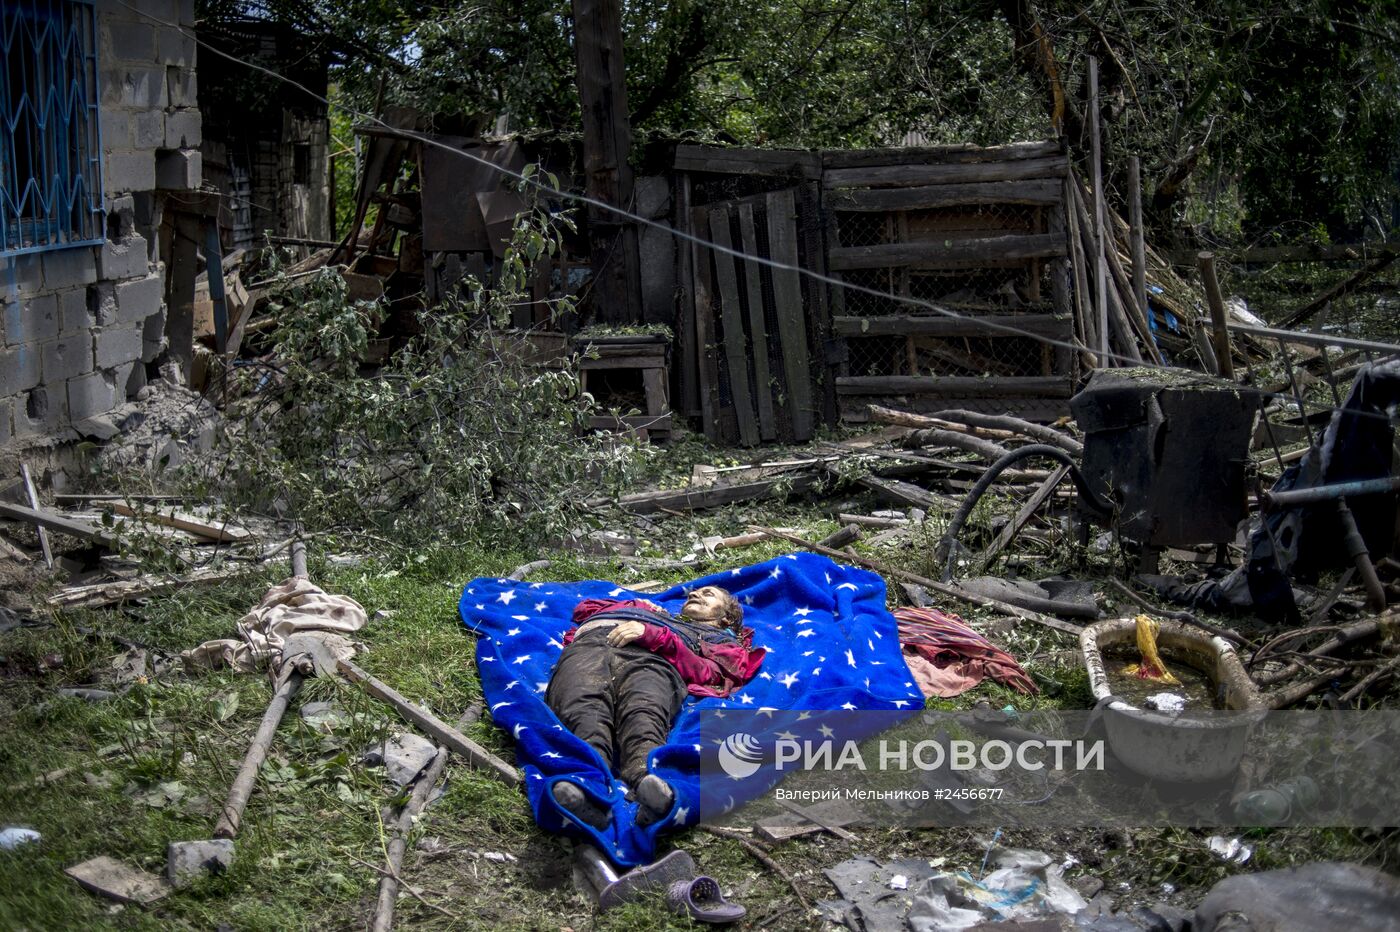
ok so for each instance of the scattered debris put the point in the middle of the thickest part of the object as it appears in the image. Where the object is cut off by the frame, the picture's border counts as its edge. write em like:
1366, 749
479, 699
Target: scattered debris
1320, 897
15, 836
112, 878
188, 860
1230, 849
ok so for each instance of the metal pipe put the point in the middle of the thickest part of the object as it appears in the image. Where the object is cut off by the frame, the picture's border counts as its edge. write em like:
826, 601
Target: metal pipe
1356, 549
1321, 493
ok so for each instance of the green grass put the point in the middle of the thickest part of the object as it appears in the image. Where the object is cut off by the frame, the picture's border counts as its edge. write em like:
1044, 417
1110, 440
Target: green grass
312, 827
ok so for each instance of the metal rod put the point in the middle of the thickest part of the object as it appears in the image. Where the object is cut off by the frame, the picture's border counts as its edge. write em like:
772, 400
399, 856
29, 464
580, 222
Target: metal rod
1321, 493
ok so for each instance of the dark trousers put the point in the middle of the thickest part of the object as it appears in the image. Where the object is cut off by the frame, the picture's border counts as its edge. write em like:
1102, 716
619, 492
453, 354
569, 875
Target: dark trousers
621, 700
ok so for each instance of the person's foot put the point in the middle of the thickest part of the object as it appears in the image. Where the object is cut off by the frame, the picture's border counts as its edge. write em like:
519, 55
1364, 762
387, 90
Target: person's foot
656, 798
575, 800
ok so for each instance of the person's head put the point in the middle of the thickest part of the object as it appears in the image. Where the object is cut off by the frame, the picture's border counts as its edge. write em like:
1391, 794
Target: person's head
712, 605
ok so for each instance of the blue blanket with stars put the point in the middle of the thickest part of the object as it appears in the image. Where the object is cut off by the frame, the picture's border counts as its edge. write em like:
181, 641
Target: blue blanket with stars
831, 645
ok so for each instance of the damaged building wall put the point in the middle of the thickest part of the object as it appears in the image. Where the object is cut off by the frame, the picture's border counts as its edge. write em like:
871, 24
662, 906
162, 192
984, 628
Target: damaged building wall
266, 143
83, 312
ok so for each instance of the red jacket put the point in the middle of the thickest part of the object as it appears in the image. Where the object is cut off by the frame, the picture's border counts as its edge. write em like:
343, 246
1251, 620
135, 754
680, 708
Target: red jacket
717, 670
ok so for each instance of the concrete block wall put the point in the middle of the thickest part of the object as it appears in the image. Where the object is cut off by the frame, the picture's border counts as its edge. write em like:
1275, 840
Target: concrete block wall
79, 326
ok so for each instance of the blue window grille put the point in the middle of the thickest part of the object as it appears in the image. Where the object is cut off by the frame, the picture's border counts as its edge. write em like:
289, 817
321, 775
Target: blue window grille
50, 154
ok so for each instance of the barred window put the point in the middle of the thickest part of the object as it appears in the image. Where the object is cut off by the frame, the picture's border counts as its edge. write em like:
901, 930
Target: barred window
50, 156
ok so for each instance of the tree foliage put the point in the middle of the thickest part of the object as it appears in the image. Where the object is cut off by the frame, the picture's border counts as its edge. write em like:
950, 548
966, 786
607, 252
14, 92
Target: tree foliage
1290, 110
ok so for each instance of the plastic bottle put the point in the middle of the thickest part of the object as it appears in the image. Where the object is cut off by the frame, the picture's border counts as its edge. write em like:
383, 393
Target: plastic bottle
1273, 805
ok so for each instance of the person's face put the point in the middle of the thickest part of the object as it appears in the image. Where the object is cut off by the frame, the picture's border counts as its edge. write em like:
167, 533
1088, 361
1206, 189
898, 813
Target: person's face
707, 605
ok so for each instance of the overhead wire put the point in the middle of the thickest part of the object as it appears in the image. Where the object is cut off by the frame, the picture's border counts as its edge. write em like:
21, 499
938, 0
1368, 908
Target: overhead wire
531, 180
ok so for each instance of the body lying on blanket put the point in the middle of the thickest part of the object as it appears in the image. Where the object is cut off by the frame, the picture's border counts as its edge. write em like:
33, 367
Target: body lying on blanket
625, 671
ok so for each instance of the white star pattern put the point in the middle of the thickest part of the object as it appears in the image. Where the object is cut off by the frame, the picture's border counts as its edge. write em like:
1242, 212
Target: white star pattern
471, 592
500, 705
808, 653
790, 556
488, 659
870, 644
767, 710
539, 607
515, 732
806, 633
803, 716
512, 632
776, 573
817, 671
746, 699
765, 676
541, 687
521, 659
554, 642
681, 815
520, 618
480, 607
507, 597
847, 585
748, 600
512, 684
551, 754
536, 585
900, 703
616, 592
850, 658
848, 706
698, 748
826, 731
734, 572
787, 736
804, 611
879, 635
788, 680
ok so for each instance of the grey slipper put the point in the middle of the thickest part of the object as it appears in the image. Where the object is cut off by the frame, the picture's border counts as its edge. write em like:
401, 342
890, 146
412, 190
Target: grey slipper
702, 901
575, 800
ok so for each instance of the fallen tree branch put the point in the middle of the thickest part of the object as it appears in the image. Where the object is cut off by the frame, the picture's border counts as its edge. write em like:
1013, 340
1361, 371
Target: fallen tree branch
1234, 638
762, 857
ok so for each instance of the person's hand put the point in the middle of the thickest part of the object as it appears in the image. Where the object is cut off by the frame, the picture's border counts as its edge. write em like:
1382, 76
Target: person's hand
626, 633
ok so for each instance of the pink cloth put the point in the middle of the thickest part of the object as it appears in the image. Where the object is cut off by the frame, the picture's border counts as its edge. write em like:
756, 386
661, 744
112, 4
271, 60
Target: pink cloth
948, 658
717, 670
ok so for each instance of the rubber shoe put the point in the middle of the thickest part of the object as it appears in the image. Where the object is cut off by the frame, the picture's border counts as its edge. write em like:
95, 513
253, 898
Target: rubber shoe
702, 901
656, 798
577, 802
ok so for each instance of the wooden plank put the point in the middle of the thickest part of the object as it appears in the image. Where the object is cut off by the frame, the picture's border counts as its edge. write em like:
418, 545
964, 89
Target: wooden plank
818, 305
1136, 240
622, 362
83, 530
758, 329
787, 302
736, 351
190, 524
1023, 516
717, 159
687, 350
1038, 191
888, 176
921, 155
707, 368
908, 495
1036, 386
33, 495
1050, 325
442, 732
1220, 333
929, 254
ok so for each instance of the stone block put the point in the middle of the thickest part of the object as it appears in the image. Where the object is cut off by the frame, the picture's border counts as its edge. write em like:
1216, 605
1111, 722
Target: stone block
39, 319
181, 86
116, 347
130, 170
153, 336
20, 369
178, 169
115, 127
129, 40
134, 87
189, 860
7, 421
132, 378
183, 129
44, 409
89, 395
125, 258
139, 299
148, 129
67, 358
121, 217
69, 268
22, 275
173, 47
73, 313
102, 304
